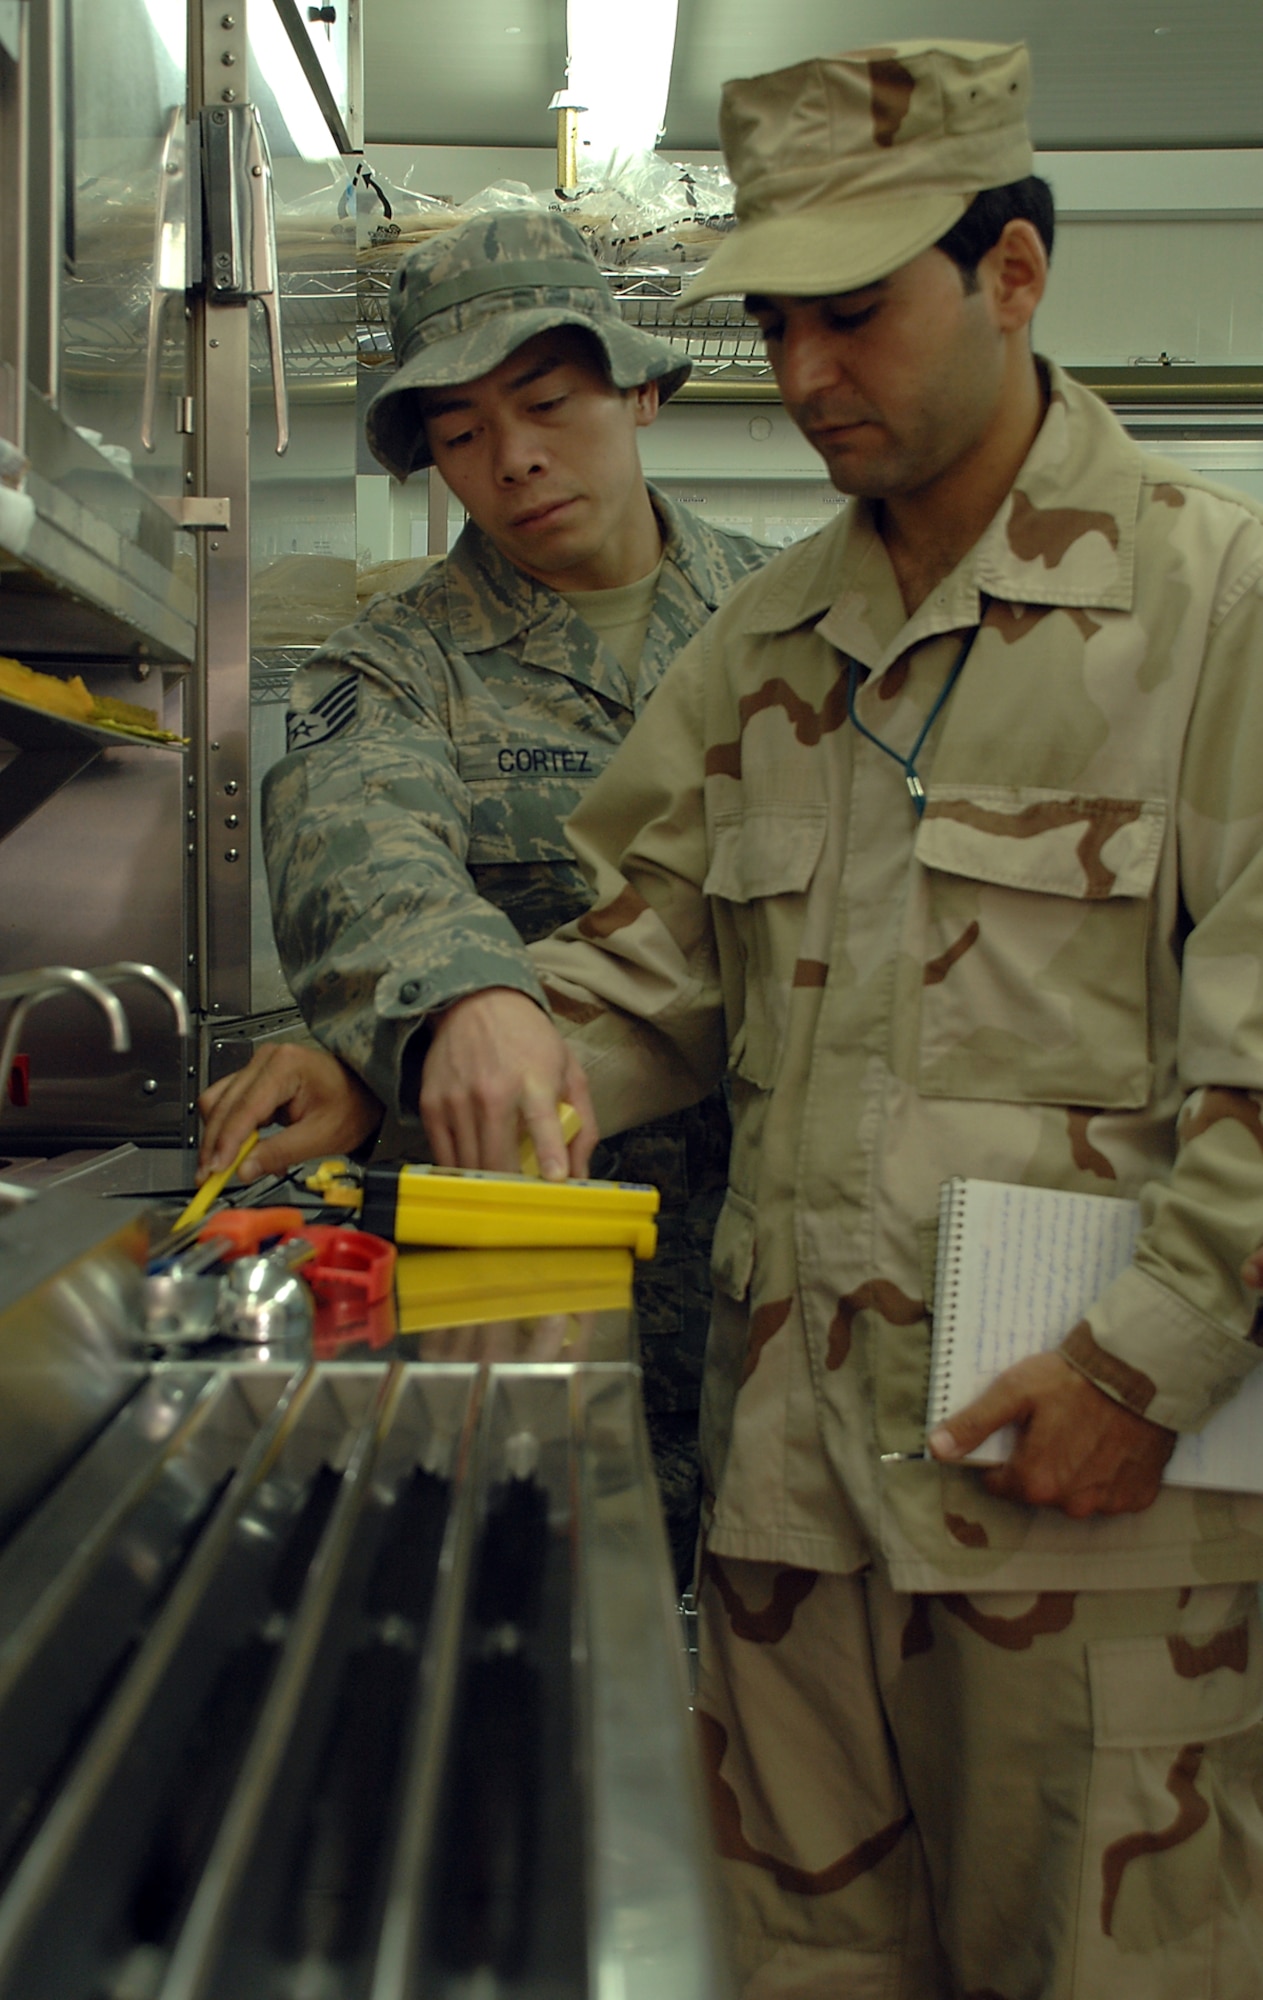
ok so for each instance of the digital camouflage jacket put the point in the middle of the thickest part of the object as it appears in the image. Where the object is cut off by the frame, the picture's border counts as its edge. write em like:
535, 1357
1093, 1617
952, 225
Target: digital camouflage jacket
414, 838
1052, 977
437, 745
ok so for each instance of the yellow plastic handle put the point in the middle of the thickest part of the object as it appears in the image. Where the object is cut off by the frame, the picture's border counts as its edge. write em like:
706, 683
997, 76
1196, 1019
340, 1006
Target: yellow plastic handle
211, 1189
528, 1158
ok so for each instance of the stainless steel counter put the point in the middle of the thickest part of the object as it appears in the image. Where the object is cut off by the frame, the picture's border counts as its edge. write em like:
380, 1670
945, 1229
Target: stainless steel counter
326, 1679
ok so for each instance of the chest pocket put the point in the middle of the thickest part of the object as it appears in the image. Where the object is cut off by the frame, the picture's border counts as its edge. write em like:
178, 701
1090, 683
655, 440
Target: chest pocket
1036, 908
761, 868
521, 794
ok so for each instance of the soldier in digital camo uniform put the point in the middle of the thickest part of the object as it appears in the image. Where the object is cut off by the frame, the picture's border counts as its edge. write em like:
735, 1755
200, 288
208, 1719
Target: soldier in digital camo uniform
437, 745
945, 838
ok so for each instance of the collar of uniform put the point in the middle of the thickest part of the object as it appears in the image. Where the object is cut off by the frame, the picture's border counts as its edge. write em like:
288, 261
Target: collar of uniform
1064, 535
692, 548
490, 600
492, 603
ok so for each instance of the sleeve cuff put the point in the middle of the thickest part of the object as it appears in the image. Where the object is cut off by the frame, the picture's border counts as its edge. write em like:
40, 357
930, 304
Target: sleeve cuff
405, 1002
1151, 1351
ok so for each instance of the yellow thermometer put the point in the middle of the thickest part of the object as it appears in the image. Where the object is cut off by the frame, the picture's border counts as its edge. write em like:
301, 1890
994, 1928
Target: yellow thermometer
475, 1211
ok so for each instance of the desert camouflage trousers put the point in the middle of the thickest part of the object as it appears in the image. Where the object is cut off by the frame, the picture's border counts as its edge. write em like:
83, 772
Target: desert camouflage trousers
1054, 1796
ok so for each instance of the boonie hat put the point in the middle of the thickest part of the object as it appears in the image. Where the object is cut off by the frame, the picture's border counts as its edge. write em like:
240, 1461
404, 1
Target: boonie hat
848, 166
464, 300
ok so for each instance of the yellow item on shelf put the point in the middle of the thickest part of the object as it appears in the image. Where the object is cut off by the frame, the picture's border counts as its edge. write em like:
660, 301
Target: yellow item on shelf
130, 719
71, 699
469, 1287
47, 691
529, 1158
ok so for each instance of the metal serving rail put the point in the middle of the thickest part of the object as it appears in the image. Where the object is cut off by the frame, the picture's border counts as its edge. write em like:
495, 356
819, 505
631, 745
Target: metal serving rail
328, 1680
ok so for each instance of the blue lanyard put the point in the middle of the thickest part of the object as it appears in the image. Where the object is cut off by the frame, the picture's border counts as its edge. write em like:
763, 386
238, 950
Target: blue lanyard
908, 764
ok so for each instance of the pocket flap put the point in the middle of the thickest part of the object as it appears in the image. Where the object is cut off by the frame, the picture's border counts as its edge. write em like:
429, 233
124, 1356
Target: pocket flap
1150, 1693
732, 1251
1058, 843
771, 851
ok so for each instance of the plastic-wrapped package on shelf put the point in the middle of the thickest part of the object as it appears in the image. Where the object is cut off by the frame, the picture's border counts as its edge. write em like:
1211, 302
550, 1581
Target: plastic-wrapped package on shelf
651, 223
650, 213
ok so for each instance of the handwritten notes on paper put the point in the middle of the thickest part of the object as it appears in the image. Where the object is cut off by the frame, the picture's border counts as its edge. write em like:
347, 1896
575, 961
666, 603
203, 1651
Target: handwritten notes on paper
1017, 1268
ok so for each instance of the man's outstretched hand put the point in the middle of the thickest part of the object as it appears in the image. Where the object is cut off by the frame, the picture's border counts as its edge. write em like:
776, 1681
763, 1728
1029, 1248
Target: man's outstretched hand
322, 1105
496, 1067
1077, 1449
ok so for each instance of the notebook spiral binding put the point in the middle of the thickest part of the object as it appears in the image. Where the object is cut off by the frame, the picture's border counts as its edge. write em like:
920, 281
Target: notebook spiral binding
951, 1217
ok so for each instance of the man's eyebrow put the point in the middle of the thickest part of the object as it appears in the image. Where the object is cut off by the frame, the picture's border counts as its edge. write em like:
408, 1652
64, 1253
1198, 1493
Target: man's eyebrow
435, 404
536, 370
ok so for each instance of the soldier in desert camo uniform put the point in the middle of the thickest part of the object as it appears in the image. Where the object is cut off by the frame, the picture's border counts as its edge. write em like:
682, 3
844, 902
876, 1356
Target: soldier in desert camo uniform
945, 840
437, 745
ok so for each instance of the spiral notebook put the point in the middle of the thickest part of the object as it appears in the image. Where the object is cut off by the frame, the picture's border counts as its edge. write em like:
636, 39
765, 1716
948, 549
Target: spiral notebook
1017, 1267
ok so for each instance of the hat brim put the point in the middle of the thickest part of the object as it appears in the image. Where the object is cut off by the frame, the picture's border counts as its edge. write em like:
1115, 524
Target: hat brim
392, 422
822, 251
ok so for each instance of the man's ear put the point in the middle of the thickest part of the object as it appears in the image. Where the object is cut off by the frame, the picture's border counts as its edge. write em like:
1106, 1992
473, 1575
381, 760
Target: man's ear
646, 403
1014, 273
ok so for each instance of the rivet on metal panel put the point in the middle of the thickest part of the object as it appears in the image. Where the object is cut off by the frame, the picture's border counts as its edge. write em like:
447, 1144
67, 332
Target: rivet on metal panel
229, 21
192, 1069
191, 1109
228, 59
229, 96
214, 545
232, 854
190, 849
190, 780
149, 1086
191, 814
231, 787
214, 343
215, 745
233, 820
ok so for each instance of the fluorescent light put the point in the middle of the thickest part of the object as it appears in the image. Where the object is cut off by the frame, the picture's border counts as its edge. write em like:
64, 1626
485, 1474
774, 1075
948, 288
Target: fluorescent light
619, 67
274, 57
169, 19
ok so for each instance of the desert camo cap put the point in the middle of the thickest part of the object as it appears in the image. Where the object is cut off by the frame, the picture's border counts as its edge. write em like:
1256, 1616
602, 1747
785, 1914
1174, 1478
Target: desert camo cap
464, 300
848, 166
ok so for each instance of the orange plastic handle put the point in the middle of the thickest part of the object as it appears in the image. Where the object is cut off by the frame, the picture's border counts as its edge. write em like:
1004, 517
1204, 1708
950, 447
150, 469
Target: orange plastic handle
247, 1228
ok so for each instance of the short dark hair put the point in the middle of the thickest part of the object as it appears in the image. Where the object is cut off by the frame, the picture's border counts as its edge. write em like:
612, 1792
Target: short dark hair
982, 225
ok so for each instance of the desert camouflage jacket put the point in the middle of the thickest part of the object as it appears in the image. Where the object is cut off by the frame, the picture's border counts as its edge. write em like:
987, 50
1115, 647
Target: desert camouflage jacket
1052, 976
413, 835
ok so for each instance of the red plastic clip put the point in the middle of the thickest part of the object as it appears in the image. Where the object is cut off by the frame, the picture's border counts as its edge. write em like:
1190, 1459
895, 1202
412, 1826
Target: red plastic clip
348, 1264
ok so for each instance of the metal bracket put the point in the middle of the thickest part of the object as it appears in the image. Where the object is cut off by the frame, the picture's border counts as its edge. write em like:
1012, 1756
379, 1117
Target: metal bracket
241, 229
170, 258
197, 511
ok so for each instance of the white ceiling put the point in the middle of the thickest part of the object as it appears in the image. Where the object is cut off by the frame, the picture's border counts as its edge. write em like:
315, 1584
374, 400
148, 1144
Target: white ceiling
1108, 73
